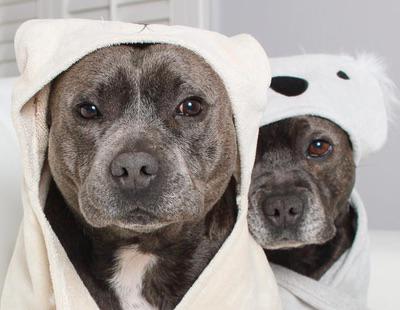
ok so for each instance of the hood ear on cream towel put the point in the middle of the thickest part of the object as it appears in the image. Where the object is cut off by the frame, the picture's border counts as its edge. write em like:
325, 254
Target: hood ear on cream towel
40, 275
355, 94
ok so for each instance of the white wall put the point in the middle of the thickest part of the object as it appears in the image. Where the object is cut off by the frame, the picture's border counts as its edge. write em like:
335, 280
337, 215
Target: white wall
14, 12
288, 27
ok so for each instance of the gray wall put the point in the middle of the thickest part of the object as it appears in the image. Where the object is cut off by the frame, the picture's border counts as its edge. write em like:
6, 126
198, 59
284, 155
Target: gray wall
288, 27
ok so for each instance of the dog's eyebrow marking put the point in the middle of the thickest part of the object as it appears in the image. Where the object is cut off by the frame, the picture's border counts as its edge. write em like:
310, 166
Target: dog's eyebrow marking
342, 75
289, 85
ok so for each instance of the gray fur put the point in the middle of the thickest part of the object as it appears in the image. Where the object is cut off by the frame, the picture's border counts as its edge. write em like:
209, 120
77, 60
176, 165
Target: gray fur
137, 89
283, 170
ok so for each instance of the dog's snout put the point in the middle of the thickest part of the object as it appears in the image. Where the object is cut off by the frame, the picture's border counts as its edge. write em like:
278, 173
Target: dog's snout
283, 211
134, 170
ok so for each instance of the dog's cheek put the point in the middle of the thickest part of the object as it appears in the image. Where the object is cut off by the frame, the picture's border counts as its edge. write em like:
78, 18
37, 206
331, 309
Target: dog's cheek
62, 168
340, 182
93, 215
181, 195
258, 228
220, 159
317, 226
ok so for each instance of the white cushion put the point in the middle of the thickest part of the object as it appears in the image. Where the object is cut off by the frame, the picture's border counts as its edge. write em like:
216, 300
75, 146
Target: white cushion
385, 270
10, 202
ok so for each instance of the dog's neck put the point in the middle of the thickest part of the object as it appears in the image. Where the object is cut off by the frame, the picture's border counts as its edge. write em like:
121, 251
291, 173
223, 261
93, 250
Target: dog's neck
314, 260
156, 260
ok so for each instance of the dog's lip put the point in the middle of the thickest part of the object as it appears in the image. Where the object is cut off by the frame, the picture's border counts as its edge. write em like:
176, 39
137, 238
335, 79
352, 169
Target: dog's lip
140, 217
140, 221
285, 244
141, 213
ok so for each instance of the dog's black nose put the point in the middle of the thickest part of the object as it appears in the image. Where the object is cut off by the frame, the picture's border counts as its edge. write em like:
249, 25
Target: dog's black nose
283, 211
134, 170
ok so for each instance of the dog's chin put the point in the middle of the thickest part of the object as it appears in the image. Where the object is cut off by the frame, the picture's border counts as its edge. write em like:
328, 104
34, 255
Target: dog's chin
141, 221
286, 243
138, 224
139, 228
137, 221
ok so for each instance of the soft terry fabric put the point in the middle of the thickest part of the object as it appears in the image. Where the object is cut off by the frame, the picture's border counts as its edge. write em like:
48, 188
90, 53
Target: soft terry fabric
40, 275
358, 104
343, 287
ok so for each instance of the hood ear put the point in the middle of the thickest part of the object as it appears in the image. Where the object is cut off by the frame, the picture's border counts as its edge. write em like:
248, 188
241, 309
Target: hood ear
289, 86
377, 69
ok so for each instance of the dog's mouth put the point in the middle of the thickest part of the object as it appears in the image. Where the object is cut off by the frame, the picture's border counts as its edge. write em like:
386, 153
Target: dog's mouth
137, 220
285, 240
297, 239
140, 217
141, 221
285, 244
138, 214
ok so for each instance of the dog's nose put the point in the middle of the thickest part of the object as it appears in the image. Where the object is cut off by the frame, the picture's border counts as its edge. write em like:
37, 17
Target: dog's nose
134, 170
283, 211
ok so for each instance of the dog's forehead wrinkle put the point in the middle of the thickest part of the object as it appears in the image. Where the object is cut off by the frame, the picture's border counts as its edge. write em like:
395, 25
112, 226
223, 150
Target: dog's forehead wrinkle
103, 63
185, 71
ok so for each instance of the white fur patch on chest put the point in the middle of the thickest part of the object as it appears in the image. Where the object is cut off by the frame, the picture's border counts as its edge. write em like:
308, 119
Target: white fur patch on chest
127, 279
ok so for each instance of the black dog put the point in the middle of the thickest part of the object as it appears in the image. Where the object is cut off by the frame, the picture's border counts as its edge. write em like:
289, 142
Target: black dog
299, 198
142, 150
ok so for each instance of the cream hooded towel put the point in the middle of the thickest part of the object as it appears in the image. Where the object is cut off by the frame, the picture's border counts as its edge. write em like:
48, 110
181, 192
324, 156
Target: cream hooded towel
355, 94
40, 275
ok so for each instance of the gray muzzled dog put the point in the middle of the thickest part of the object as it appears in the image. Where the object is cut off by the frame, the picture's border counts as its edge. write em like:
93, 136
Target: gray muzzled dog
142, 150
299, 208
325, 113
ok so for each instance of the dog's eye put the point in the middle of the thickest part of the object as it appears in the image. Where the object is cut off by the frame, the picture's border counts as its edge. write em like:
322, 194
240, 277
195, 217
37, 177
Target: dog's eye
88, 110
189, 107
319, 148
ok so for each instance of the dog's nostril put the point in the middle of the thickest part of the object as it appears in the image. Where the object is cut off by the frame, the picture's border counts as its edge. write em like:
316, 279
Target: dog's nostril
146, 171
119, 171
276, 213
293, 211
124, 172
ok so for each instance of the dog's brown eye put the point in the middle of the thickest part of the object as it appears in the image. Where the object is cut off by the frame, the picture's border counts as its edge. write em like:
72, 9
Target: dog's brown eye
88, 111
319, 148
189, 107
